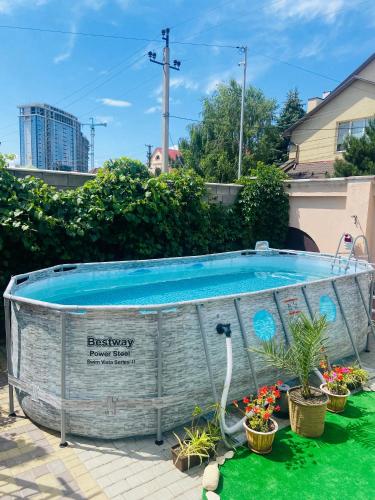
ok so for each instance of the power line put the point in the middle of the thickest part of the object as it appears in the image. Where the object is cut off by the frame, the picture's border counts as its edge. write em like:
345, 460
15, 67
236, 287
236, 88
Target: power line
103, 35
78, 33
104, 82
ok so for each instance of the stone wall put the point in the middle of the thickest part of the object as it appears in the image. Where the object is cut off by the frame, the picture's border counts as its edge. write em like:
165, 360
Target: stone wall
62, 180
217, 193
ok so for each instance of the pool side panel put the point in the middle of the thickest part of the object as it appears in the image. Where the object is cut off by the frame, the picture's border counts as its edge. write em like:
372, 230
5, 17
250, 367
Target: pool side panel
118, 400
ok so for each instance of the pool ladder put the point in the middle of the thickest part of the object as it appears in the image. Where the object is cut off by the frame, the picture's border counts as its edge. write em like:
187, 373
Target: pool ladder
337, 260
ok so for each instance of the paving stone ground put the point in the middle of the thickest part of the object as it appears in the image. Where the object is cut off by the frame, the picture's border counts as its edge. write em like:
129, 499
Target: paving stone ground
33, 465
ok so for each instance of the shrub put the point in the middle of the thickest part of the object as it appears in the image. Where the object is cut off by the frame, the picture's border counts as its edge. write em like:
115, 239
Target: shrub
125, 214
265, 205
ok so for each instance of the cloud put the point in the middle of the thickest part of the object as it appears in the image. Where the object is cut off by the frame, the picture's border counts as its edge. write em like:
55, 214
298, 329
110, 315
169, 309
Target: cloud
7, 6
69, 47
308, 9
152, 109
181, 82
314, 48
116, 103
215, 80
104, 119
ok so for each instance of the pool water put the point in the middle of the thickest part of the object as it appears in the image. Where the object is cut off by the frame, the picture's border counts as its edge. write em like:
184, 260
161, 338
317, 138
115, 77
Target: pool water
163, 283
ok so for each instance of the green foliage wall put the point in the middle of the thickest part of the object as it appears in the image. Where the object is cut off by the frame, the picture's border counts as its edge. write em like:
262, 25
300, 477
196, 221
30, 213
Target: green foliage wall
265, 205
118, 216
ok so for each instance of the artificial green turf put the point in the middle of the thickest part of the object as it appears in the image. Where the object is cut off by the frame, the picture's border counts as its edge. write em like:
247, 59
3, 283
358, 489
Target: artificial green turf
339, 465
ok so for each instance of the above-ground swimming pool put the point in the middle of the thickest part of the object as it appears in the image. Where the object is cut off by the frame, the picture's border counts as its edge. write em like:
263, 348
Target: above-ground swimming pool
129, 348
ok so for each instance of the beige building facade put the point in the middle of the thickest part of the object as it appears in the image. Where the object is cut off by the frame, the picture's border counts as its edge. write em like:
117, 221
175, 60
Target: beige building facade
156, 161
317, 139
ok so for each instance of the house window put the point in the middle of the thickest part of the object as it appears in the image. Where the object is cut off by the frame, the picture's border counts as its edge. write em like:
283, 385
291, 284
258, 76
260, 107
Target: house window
355, 128
157, 157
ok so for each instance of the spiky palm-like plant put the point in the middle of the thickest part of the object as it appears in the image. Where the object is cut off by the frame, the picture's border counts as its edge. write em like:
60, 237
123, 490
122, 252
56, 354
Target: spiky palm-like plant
303, 354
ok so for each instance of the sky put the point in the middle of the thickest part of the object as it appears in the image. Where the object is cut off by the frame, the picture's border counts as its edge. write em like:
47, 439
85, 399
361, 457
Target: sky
308, 44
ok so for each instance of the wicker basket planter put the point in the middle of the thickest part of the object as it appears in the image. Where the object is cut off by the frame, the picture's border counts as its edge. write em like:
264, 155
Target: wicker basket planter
261, 442
337, 402
307, 419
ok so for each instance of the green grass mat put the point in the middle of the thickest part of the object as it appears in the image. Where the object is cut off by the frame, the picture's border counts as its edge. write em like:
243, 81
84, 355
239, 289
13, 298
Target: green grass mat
339, 465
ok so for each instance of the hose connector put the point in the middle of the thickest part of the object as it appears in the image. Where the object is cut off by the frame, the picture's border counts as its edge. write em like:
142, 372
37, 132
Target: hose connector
224, 328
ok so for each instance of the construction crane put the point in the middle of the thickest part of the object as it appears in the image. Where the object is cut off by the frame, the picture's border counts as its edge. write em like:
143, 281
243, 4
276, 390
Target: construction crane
92, 126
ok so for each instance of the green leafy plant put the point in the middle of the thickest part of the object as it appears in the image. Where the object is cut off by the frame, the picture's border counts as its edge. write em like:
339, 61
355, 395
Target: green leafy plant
199, 440
357, 376
303, 355
265, 205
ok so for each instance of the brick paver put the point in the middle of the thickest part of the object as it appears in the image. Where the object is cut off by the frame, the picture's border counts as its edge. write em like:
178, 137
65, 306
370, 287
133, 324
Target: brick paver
33, 465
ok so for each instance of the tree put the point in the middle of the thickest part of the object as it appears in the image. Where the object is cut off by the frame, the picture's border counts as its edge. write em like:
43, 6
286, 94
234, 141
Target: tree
128, 166
212, 146
359, 155
290, 113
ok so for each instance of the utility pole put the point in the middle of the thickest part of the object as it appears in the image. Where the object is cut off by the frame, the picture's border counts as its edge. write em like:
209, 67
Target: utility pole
166, 67
92, 126
244, 64
148, 155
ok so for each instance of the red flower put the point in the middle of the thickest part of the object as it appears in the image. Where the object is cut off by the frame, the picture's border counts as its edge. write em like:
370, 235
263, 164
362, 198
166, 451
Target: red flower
256, 409
246, 400
270, 399
266, 415
276, 394
325, 376
279, 382
277, 408
263, 391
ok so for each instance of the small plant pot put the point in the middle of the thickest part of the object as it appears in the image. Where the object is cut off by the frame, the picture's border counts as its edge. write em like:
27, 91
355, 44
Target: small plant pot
307, 417
261, 442
186, 463
337, 402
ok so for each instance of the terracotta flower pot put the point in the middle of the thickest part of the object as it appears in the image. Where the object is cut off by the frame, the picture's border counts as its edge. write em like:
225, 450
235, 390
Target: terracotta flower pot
336, 402
260, 442
307, 417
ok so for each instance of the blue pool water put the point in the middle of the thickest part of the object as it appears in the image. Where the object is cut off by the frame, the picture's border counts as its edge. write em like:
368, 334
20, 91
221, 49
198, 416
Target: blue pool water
155, 283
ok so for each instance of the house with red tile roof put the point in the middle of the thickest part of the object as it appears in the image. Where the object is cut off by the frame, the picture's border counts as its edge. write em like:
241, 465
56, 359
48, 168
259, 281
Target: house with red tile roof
157, 159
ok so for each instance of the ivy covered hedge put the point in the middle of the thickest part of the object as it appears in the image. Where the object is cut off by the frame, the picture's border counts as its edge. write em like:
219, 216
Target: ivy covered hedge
120, 215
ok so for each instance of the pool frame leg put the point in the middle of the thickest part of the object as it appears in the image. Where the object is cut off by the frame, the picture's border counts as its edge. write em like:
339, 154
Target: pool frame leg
370, 305
346, 322
63, 441
246, 344
8, 337
370, 324
283, 324
206, 352
309, 308
159, 433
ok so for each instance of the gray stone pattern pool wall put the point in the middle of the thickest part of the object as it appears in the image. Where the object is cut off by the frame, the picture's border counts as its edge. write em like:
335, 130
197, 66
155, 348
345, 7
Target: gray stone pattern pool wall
114, 401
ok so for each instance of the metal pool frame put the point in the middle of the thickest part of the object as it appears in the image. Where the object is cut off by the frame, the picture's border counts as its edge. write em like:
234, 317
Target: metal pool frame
63, 403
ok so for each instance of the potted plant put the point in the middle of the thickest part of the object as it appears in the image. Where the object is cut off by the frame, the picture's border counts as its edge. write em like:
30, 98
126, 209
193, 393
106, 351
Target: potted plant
260, 428
335, 387
356, 377
198, 443
307, 405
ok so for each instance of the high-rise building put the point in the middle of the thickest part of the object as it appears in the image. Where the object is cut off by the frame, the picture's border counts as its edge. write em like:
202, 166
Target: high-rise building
51, 139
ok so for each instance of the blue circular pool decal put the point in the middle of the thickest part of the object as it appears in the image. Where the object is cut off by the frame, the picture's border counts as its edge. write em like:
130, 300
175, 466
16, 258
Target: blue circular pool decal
327, 308
264, 325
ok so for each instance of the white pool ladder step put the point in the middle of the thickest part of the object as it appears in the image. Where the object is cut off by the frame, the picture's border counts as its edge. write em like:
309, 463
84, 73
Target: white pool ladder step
345, 263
